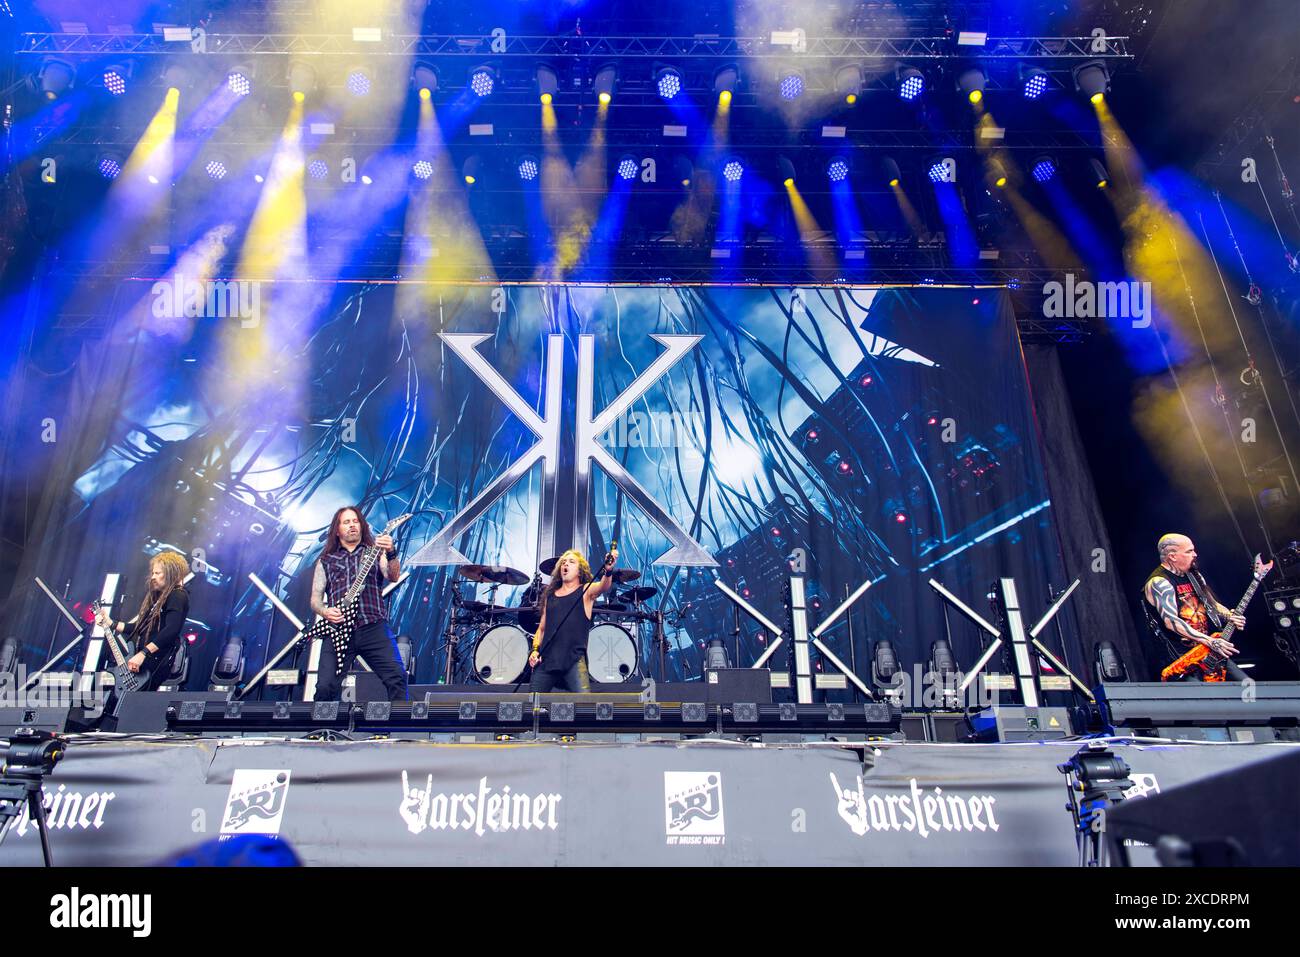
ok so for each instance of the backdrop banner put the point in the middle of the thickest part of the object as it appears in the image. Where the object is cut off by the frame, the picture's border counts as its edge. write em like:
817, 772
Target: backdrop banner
418, 803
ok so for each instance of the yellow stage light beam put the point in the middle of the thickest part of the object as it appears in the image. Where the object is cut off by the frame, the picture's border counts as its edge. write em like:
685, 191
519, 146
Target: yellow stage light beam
820, 258
907, 209
152, 156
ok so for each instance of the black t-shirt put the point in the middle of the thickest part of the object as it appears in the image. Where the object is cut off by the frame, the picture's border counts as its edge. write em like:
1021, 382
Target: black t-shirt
567, 628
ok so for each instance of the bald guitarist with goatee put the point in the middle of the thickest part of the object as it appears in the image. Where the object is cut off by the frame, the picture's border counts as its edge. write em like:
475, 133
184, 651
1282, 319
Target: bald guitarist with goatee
1184, 604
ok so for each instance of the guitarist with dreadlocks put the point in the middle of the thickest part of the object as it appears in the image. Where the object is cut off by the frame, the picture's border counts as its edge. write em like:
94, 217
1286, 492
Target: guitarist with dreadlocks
340, 563
156, 630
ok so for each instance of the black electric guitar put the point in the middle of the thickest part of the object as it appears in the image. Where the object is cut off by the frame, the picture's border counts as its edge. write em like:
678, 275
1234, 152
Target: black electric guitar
124, 679
341, 634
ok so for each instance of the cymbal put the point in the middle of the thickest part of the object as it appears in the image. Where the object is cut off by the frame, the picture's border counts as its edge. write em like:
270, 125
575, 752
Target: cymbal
625, 575
609, 606
548, 565
499, 574
644, 593
483, 608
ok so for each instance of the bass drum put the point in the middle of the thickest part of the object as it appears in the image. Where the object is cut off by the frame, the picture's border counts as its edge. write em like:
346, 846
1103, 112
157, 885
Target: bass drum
501, 655
611, 654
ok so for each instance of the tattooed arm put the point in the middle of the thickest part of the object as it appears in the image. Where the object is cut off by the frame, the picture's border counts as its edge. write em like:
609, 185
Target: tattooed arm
1161, 596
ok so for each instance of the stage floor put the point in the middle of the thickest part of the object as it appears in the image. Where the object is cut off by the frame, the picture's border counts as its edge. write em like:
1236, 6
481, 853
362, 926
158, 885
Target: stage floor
115, 801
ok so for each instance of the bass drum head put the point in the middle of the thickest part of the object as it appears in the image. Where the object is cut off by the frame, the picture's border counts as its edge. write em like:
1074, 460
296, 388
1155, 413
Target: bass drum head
501, 655
611, 654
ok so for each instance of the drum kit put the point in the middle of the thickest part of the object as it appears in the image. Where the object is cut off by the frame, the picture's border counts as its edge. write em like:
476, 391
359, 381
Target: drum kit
502, 634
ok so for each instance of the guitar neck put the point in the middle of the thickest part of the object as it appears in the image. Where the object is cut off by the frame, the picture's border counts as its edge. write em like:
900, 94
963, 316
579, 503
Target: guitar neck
111, 640
363, 572
1241, 607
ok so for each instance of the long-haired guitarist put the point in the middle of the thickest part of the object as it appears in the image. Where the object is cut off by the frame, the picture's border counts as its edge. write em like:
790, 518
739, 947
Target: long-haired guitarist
559, 657
345, 548
155, 632
1185, 607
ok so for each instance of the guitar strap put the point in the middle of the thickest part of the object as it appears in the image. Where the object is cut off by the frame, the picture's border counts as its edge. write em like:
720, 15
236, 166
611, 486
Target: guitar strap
1203, 592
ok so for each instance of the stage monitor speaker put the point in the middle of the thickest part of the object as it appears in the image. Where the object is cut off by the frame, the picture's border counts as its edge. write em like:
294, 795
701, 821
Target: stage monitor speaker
145, 712
729, 685
1005, 723
13, 720
1243, 816
1149, 706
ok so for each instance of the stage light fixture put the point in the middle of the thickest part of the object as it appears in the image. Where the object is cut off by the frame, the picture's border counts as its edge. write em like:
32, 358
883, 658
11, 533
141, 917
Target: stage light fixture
424, 76
970, 83
837, 170
482, 81
302, 79
669, 82
684, 169
548, 82
892, 174
1109, 665
787, 170
911, 83
997, 173
239, 80
469, 170
603, 83
529, 168
938, 171
725, 81
318, 169
791, 85
848, 82
114, 78
109, 166
1092, 79
422, 169
216, 169
1100, 177
732, 170
55, 77
359, 81
628, 167
1034, 83
1043, 169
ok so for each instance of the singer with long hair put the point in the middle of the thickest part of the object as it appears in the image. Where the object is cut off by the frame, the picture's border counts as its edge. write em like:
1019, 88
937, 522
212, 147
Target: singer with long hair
559, 657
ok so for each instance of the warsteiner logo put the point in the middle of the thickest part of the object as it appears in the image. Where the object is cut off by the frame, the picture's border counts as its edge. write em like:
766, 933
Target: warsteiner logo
917, 811
256, 801
693, 807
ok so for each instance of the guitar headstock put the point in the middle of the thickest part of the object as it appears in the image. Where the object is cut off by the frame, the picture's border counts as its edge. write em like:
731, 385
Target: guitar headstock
1262, 568
400, 520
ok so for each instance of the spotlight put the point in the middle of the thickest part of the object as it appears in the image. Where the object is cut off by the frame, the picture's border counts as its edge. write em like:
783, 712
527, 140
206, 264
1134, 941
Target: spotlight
733, 170
424, 76
939, 172
787, 170
56, 77
216, 169
548, 82
1109, 665
178, 76
470, 170
791, 85
1034, 83
1043, 169
911, 82
725, 81
848, 82
602, 84
837, 170
892, 175
900, 517
1092, 79
482, 81
358, 81
628, 167
529, 168
239, 81
114, 78
997, 173
109, 166
302, 79
970, 82
422, 169
317, 168
684, 169
669, 82
1099, 175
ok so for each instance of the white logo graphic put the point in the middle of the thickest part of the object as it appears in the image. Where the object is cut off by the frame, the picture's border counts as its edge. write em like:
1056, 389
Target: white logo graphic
917, 811
479, 811
693, 807
68, 810
103, 910
1144, 785
256, 801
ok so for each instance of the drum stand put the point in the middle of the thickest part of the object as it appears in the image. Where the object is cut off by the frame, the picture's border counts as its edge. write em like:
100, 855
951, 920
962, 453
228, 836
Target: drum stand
451, 638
